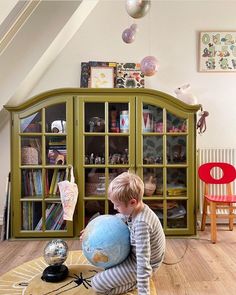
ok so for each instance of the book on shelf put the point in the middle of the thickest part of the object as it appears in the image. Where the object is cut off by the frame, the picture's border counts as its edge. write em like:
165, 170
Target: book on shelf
53, 181
57, 140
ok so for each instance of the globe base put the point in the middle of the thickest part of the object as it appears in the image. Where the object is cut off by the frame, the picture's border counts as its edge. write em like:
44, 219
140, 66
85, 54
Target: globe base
55, 273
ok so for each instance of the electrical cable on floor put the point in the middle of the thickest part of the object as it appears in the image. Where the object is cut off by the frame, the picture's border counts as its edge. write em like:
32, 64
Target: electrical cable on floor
180, 258
185, 250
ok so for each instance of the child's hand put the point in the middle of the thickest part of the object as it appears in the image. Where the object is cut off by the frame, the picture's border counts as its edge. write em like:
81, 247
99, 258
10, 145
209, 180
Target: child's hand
81, 235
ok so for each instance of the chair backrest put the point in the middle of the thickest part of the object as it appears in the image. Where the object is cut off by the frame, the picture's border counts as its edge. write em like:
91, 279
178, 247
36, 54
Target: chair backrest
229, 173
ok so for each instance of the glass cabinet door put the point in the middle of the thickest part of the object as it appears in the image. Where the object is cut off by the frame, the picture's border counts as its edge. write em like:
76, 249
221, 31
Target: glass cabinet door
106, 149
43, 162
162, 162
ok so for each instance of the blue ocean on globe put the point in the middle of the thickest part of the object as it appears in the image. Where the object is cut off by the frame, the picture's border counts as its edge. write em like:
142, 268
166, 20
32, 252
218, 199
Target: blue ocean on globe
106, 241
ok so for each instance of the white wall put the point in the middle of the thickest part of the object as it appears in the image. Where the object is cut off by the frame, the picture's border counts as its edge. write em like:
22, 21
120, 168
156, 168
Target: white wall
170, 32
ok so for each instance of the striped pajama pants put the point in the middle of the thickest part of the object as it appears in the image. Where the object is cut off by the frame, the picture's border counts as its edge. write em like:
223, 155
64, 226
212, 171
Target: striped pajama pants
116, 280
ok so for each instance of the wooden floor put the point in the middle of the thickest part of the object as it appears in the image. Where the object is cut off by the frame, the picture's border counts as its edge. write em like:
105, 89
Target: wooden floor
205, 268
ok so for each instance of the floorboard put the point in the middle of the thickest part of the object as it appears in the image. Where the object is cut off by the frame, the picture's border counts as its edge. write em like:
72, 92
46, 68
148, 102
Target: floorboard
192, 266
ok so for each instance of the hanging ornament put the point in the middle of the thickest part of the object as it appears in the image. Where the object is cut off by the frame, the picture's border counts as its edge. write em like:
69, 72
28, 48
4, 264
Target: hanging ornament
137, 8
149, 65
128, 35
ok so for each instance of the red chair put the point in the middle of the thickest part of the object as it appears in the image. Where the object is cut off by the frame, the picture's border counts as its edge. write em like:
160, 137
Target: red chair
224, 201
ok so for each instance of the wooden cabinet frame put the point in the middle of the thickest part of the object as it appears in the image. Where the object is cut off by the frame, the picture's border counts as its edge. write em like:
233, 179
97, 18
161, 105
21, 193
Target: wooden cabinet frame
75, 100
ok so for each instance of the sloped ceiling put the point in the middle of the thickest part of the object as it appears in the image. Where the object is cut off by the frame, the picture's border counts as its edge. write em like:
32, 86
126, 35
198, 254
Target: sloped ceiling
37, 44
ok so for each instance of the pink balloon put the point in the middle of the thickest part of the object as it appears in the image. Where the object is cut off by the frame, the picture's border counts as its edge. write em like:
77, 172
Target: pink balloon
149, 65
128, 35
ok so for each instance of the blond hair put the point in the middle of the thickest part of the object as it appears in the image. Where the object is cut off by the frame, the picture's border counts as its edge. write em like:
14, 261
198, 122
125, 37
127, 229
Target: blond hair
125, 187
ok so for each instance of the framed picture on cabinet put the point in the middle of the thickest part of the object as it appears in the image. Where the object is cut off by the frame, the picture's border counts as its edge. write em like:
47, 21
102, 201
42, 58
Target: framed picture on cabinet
101, 77
217, 52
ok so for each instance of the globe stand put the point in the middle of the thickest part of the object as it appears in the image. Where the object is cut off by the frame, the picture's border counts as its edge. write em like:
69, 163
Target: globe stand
55, 273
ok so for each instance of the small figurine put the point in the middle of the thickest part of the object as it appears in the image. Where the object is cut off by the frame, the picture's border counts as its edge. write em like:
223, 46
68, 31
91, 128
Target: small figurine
184, 93
91, 159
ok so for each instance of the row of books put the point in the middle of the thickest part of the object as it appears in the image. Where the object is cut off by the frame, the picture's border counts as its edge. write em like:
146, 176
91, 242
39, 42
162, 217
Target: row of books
31, 214
126, 75
52, 179
31, 182
54, 218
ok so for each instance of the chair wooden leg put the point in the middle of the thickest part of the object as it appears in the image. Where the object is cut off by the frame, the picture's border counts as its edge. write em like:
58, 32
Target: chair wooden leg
204, 214
213, 221
231, 218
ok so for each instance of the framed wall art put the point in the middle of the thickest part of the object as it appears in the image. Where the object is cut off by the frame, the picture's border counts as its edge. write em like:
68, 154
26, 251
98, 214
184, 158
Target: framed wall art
217, 51
101, 77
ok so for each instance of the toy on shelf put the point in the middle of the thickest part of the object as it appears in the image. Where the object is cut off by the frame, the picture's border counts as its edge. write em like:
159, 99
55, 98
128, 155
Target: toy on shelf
184, 93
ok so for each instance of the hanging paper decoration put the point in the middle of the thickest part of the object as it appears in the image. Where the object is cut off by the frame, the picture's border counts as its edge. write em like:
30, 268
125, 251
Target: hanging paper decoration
137, 8
128, 35
149, 65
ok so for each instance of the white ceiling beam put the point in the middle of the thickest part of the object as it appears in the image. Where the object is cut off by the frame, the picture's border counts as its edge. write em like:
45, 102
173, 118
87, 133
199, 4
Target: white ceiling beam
14, 21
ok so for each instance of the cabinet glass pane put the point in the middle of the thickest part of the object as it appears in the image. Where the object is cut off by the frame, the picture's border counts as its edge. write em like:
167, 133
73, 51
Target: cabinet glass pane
95, 182
152, 119
31, 150
176, 124
31, 215
56, 152
177, 214
176, 149
31, 183
157, 207
32, 123
55, 116
115, 172
94, 150
118, 150
176, 182
153, 181
52, 177
54, 217
152, 149
118, 117
94, 117
93, 208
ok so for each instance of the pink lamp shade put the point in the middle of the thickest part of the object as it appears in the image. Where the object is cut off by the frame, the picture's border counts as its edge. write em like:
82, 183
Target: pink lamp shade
149, 65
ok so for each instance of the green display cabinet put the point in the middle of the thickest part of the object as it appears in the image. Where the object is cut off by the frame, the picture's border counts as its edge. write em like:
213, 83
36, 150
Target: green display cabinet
102, 133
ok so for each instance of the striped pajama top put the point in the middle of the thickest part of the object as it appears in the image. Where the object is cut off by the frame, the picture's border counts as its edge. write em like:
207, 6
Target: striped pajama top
147, 246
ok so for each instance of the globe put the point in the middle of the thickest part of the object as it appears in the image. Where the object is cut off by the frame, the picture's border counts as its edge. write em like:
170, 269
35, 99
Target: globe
106, 241
55, 253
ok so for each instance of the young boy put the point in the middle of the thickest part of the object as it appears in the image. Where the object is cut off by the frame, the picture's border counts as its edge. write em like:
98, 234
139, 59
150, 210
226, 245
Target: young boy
146, 236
